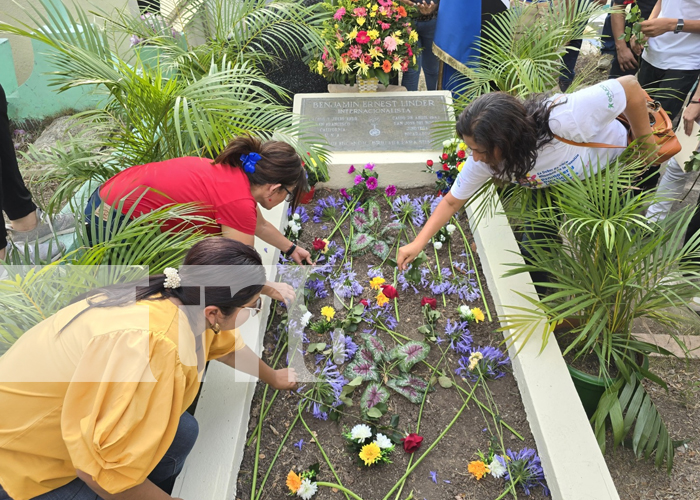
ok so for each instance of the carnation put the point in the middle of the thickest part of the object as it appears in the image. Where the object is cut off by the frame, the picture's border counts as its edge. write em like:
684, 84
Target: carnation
306, 317
307, 489
371, 183
360, 433
383, 442
390, 190
358, 179
497, 468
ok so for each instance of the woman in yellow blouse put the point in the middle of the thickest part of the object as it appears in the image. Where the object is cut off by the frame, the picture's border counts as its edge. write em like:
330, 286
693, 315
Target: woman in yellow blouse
93, 399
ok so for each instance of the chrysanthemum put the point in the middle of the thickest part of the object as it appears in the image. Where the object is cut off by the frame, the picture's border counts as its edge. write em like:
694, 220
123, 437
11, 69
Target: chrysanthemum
328, 312
478, 469
370, 453
497, 467
293, 481
382, 299
360, 433
307, 489
376, 282
478, 314
383, 442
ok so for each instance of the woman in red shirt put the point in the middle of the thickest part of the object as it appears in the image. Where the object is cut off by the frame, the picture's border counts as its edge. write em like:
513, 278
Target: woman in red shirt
246, 174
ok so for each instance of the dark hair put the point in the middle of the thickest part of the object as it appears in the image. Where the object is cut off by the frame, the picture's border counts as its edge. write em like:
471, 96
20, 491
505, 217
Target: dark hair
279, 164
203, 264
518, 129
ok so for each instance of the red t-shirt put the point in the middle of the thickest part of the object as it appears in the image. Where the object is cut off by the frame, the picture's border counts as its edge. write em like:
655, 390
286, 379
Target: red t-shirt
221, 190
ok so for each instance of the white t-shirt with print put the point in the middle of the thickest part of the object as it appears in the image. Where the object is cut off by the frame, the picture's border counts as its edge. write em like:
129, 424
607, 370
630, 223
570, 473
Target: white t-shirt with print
671, 50
587, 115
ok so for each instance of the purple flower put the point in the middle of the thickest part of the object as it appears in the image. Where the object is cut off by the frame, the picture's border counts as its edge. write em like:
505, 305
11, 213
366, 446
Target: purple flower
433, 476
301, 212
491, 365
358, 179
318, 286
328, 208
360, 209
299, 444
526, 468
19, 131
369, 166
344, 194
390, 190
372, 183
135, 40
351, 170
459, 335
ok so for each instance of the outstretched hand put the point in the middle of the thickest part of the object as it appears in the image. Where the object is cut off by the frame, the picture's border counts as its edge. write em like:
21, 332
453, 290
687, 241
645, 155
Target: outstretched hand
279, 291
406, 255
284, 379
301, 255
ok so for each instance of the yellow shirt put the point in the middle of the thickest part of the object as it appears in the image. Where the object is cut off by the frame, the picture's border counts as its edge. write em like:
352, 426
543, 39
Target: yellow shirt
103, 396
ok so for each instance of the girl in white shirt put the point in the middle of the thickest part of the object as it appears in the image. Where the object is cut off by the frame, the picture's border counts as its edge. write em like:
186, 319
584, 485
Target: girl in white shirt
514, 141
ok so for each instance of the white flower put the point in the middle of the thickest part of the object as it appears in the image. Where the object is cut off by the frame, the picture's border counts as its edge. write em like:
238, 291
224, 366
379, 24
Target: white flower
447, 143
306, 318
474, 360
437, 245
361, 432
464, 311
382, 441
442, 238
295, 227
497, 468
307, 489
450, 228
296, 216
455, 140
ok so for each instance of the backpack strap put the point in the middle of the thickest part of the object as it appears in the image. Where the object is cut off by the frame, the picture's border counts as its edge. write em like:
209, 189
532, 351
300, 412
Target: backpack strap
588, 144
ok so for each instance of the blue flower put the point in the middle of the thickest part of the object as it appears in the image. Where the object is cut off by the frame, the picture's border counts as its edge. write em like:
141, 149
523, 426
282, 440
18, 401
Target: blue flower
433, 476
526, 469
299, 444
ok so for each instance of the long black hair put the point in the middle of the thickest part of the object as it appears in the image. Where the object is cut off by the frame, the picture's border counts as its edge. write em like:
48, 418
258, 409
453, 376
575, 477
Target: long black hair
518, 129
214, 260
279, 164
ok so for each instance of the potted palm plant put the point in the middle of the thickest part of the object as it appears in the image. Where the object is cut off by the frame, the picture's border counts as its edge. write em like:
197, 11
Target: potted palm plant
608, 265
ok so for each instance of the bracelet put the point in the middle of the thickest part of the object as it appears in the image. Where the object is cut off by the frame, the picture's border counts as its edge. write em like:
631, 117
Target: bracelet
291, 250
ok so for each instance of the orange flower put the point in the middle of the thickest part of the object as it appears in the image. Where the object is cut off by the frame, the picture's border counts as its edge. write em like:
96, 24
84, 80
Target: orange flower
477, 469
402, 12
386, 66
293, 481
382, 299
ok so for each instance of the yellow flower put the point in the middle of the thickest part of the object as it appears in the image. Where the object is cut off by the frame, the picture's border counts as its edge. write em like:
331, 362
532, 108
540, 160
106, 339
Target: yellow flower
343, 66
361, 21
370, 453
373, 13
478, 313
325, 250
352, 35
374, 52
339, 44
396, 65
414, 59
413, 37
376, 282
462, 146
474, 359
382, 299
335, 25
293, 481
373, 34
328, 312
375, 64
362, 68
374, 7
477, 469
397, 34
319, 67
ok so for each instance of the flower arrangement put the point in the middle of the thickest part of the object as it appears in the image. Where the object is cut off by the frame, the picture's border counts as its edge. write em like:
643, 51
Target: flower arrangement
365, 181
303, 484
449, 165
372, 39
370, 446
471, 315
294, 222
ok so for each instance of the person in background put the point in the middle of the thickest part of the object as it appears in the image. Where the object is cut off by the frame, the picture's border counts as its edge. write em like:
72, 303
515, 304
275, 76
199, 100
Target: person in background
30, 226
515, 141
425, 26
229, 190
625, 61
94, 397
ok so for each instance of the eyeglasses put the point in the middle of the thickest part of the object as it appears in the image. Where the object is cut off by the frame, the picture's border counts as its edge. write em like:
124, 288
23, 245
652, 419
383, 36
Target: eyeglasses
253, 311
290, 195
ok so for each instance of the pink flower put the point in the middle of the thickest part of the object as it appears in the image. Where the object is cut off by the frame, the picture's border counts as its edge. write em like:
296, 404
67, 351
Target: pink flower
339, 14
390, 190
362, 37
351, 169
355, 51
390, 44
344, 193
384, 26
372, 183
358, 179
360, 12
385, 3
324, 56
369, 166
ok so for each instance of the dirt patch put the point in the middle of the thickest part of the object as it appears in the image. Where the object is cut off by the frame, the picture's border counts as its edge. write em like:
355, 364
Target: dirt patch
449, 459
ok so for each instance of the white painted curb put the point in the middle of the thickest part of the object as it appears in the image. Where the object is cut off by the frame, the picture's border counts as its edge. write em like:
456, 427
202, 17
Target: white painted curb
573, 464
223, 409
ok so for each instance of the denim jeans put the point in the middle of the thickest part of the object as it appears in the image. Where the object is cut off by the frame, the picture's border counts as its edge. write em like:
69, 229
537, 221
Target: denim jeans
163, 475
92, 221
427, 60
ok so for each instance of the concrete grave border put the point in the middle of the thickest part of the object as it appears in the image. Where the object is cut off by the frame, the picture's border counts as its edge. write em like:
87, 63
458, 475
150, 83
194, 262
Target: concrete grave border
574, 467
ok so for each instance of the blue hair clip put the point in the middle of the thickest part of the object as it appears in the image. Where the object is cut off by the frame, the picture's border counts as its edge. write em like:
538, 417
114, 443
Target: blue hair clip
249, 160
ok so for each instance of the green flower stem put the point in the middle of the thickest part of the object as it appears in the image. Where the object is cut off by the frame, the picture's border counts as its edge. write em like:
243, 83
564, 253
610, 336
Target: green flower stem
339, 487
430, 448
272, 315
437, 263
478, 279
320, 448
350, 210
337, 224
396, 302
274, 459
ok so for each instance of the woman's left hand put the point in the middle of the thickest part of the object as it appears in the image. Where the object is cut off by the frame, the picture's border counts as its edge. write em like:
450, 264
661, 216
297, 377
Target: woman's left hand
301, 254
284, 379
279, 291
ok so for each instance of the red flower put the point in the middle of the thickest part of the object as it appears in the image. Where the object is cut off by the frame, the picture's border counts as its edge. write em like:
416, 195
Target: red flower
319, 244
368, 59
401, 11
445, 166
364, 302
431, 302
362, 37
429, 163
390, 292
461, 153
628, 2
445, 156
412, 442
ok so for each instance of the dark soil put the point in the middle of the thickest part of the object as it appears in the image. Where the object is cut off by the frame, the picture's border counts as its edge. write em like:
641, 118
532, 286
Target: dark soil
450, 457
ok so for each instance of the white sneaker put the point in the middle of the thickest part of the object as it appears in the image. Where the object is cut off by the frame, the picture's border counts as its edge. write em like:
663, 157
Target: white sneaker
25, 253
46, 229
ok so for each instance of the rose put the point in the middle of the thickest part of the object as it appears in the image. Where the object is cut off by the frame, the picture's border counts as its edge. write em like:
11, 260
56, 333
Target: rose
429, 163
445, 156
445, 166
412, 442
364, 302
371, 183
390, 291
319, 244
461, 154
429, 301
